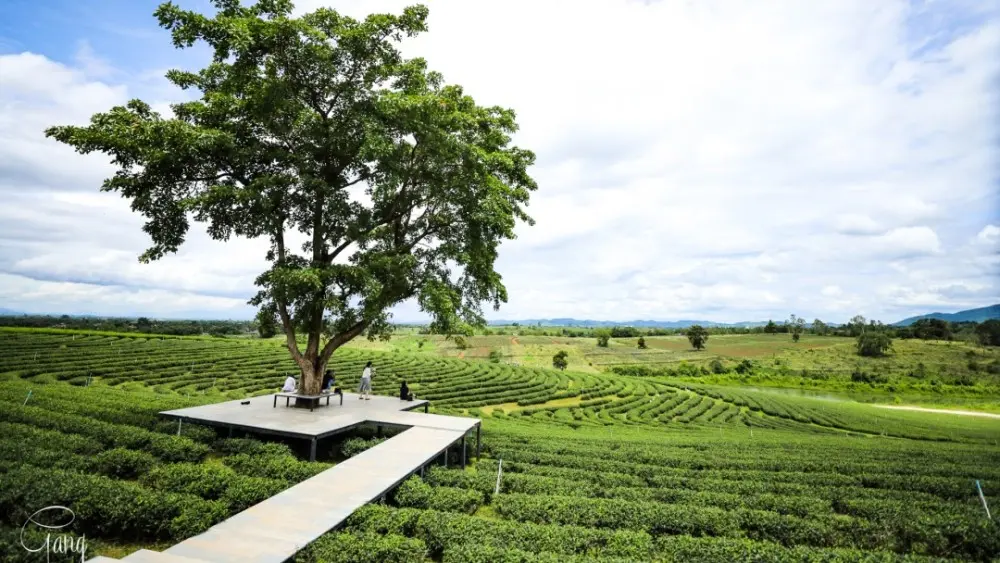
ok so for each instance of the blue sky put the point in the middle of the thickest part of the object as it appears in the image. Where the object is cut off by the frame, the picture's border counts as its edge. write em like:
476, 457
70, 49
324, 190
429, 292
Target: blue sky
720, 160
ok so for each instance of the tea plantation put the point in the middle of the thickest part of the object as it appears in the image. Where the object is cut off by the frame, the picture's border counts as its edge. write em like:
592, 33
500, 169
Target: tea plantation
595, 467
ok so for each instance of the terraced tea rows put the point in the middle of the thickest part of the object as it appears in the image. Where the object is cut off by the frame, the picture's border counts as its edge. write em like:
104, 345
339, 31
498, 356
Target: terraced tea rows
582, 496
594, 468
125, 473
234, 368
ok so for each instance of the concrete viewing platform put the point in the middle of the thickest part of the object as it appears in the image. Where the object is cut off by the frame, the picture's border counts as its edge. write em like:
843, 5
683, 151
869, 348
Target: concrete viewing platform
274, 530
261, 416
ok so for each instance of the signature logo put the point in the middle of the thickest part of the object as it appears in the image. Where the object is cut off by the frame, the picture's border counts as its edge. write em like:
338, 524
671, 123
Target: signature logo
61, 543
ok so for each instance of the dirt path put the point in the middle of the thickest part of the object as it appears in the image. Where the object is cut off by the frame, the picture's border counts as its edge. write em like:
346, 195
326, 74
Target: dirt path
941, 411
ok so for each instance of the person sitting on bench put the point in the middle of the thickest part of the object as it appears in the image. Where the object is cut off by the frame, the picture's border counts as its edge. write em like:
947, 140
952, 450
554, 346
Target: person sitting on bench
329, 382
289, 386
404, 393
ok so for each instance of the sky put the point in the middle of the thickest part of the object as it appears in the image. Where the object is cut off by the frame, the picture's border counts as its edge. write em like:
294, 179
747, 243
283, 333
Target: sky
722, 160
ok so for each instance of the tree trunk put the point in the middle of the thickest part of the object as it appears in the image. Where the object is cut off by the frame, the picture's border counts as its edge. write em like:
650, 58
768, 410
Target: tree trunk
313, 363
312, 376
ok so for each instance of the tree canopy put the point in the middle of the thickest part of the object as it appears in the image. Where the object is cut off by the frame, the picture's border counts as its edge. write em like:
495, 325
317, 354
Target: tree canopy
874, 343
697, 336
603, 336
796, 325
399, 185
559, 360
931, 329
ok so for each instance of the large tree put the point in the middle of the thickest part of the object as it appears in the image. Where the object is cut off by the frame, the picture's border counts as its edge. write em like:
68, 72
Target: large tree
697, 335
401, 186
796, 325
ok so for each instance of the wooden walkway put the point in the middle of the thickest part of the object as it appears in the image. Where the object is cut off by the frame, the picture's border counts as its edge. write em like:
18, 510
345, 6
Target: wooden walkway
274, 530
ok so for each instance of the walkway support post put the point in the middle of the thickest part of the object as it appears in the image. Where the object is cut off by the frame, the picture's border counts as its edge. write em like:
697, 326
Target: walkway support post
478, 441
496, 491
463, 451
983, 499
312, 450
446, 457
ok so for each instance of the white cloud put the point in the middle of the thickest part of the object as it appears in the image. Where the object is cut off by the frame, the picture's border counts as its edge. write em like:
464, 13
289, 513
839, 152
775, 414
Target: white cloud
832, 291
710, 159
989, 236
82, 298
852, 224
92, 65
907, 242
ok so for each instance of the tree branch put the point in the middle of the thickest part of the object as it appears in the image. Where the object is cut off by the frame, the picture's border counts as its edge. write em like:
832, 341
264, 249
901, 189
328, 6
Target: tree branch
286, 320
341, 339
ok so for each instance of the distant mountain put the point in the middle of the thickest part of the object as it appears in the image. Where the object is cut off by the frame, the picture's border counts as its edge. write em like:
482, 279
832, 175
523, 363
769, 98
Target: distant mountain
972, 315
588, 323
9, 313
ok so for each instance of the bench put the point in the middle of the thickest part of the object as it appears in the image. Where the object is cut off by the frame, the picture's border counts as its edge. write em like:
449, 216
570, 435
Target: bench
313, 398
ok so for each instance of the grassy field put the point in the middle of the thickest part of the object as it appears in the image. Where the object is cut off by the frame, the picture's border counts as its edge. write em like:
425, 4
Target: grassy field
918, 372
597, 466
831, 353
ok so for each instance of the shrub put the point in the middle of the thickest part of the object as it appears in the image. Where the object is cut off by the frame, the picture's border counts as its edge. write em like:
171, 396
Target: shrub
208, 481
860, 376
359, 547
717, 367
602, 337
196, 516
874, 343
275, 467
244, 492
353, 446
496, 356
415, 493
745, 367
559, 360
122, 463
107, 508
964, 380
251, 446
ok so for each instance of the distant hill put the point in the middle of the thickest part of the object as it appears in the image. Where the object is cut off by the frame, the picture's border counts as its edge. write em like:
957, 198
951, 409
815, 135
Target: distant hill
9, 313
588, 323
972, 315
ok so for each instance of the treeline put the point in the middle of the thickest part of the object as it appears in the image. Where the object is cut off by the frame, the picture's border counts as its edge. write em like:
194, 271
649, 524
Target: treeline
987, 333
141, 325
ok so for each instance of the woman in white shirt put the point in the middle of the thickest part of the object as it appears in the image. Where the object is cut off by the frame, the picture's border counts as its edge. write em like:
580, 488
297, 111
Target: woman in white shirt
365, 387
289, 386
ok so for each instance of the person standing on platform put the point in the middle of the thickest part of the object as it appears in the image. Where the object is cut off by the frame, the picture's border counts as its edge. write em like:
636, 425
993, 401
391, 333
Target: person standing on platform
365, 387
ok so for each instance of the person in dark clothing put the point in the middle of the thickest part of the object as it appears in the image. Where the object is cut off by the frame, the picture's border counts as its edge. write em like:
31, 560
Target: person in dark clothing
328, 382
404, 392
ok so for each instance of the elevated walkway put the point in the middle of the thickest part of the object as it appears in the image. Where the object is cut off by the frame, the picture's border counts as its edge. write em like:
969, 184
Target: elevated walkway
274, 530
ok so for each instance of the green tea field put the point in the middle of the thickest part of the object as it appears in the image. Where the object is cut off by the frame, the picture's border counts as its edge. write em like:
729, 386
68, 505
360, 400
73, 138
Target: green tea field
932, 373
577, 466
